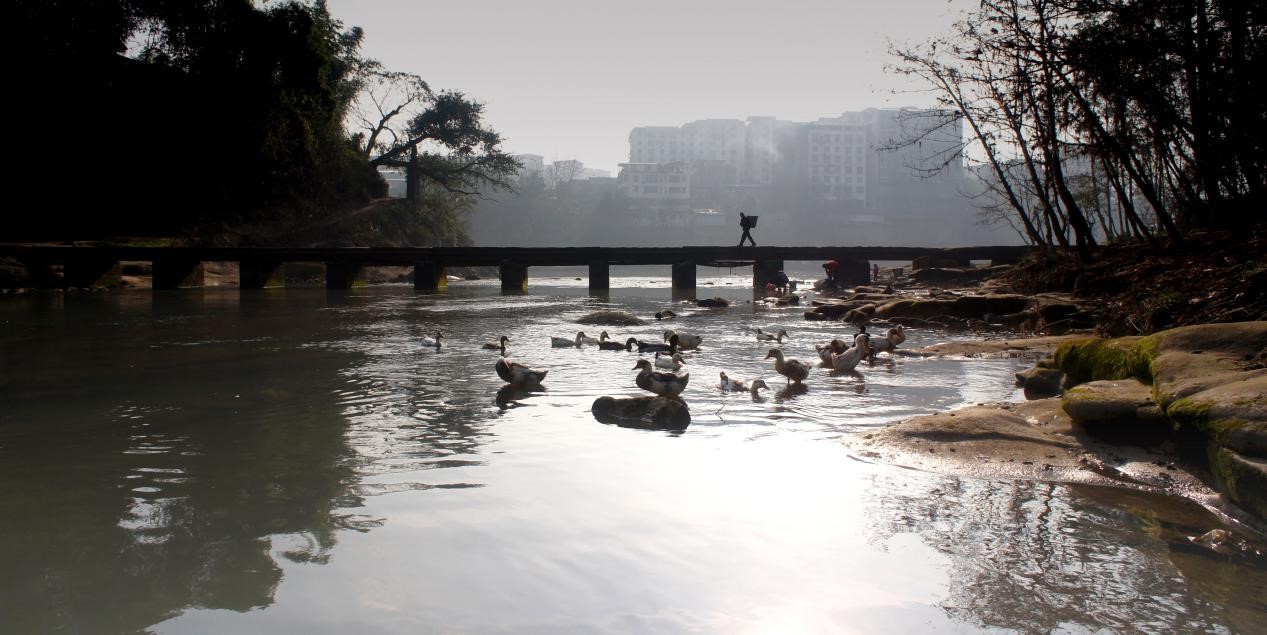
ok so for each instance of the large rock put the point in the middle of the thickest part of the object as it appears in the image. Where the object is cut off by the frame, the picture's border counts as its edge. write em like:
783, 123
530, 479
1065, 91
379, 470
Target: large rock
977, 307
651, 413
1119, 403
1040, 383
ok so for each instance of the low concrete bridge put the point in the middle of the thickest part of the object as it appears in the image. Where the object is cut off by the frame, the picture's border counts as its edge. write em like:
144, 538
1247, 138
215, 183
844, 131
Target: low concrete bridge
264, 267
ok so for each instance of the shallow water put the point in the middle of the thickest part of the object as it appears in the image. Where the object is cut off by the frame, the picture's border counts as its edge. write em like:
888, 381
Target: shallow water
293, 461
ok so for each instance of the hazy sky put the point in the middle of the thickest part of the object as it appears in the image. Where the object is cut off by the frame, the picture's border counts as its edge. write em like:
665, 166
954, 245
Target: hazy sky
570, 79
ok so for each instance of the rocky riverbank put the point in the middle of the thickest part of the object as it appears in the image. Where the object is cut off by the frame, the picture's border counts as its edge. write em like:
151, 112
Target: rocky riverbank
1180, 412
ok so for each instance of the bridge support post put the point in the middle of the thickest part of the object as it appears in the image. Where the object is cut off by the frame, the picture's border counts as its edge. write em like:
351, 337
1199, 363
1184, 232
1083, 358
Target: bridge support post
92, 271
256, 273
683, 278
514, 276
174, 272
600, 276
763, 273
344, 275
430, 276
853, 272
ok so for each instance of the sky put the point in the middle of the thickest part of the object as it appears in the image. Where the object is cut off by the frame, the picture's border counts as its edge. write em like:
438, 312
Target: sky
569, 80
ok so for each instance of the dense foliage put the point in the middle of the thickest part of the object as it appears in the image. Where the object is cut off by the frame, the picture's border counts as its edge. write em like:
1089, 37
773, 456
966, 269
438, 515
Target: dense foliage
1103, 119
200, 116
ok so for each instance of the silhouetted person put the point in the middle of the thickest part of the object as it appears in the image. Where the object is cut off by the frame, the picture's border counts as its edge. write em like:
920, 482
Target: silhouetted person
747, 223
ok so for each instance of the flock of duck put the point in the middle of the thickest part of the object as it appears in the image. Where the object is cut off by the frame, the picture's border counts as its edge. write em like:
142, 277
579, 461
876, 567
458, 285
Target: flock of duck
661, 376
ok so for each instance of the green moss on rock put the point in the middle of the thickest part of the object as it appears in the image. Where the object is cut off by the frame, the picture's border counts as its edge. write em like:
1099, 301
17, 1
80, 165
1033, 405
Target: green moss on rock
1098, 359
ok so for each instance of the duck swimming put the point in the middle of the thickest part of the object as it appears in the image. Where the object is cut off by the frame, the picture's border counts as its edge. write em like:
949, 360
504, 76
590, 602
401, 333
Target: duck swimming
671, 362
433, 341
767, 337
500, 344
604, 345
793, 369
737, 385
849, 359
685, 341
663, 384
565, 342
582, 338
825, 351
651, 347
518, 375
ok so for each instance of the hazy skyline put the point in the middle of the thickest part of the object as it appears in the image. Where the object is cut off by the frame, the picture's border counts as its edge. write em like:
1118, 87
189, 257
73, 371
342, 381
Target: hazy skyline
568, 80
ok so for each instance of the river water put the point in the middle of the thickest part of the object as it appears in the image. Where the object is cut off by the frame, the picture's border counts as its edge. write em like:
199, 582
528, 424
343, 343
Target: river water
293, 461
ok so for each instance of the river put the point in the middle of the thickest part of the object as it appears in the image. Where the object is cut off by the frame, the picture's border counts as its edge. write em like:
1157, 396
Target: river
293, 461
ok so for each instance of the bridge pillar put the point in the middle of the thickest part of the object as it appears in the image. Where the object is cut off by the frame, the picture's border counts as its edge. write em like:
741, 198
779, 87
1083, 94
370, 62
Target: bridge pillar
514, 276
175, 272
430, 276
684, 277
853, 272
92, 271
344, 275
600, 276
258, 273
763, 273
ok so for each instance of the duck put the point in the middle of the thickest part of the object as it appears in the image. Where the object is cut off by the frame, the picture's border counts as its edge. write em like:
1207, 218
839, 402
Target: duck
685, 341
499, 344
652, 347
825, 351
519, 375
604, 345
793, 369
582, 338
737, 384
768, 337
889, 342
665, 315
663, 384
565, 342
849, 359
433, 341
671, 362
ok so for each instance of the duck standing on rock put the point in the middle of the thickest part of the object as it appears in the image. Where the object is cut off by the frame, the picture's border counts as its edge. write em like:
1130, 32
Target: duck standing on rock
433, 341
793, 369
518, 375
685, 341
663, 384
499, 344
849, 359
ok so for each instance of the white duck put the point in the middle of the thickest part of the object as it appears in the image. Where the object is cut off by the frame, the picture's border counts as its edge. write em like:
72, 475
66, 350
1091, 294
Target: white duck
768, 337
889, 342
433, 342
671, 362
663, 384
737, 385
849, 359
565, 342
582, 338
518, 375
685, 341
793, 369
499, 344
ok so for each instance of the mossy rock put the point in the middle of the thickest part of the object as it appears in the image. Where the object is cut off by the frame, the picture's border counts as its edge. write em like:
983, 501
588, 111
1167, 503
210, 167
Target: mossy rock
1232, 414
611, 318
1095, 359
1119, 403
1243, 480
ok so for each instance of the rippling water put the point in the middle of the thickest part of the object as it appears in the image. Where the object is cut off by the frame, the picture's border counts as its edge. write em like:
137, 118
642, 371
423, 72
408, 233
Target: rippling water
294, 461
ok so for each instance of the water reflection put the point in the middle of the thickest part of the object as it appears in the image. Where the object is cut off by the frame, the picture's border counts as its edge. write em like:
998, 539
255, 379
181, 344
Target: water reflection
138, 500
1040, 557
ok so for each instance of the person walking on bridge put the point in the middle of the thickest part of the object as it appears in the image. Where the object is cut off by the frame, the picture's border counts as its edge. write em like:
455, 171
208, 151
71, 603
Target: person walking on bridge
747, 223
